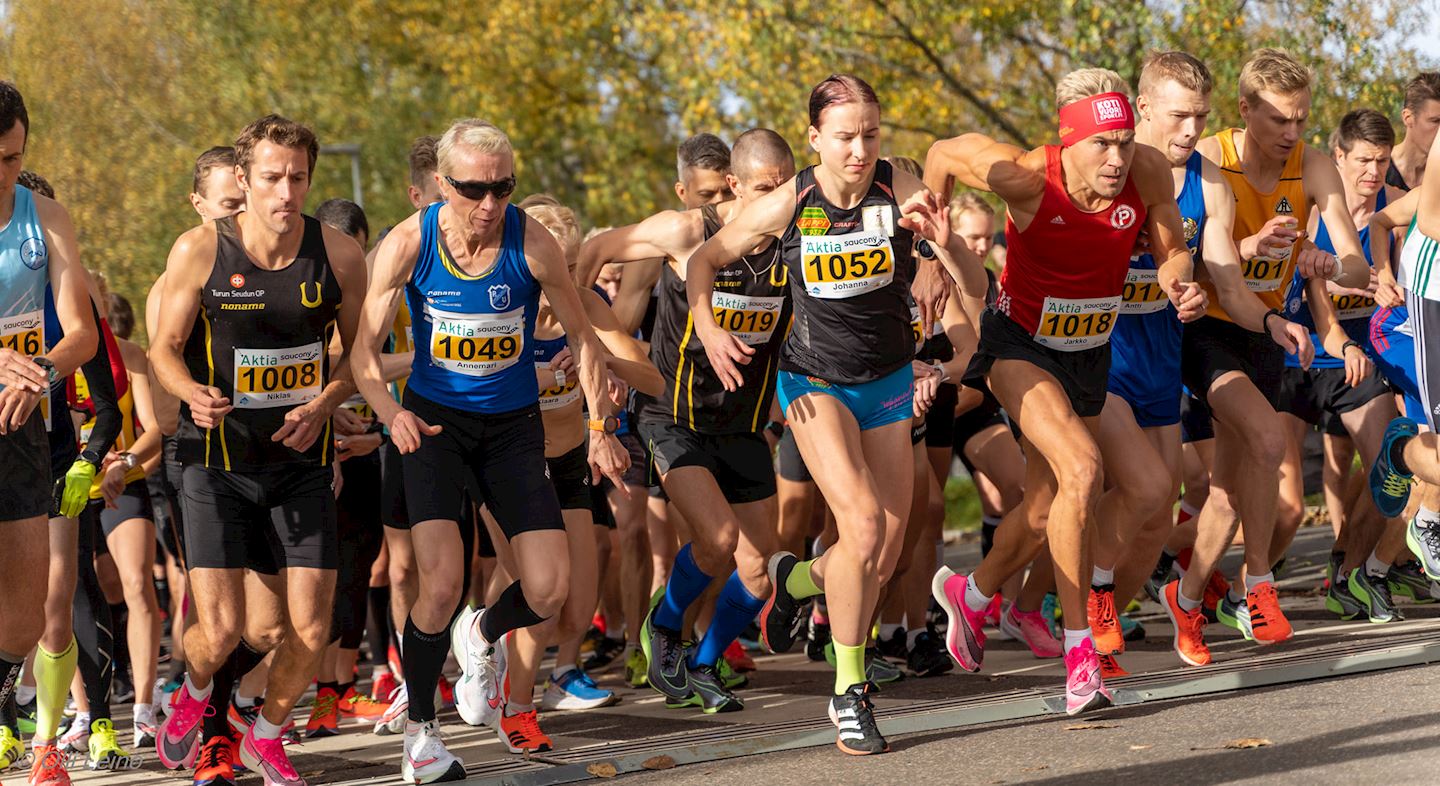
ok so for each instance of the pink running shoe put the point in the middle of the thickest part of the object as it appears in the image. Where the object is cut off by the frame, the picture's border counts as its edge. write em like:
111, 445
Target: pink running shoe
1084, 687
964, 635
267, 758
179, 738
1030, 627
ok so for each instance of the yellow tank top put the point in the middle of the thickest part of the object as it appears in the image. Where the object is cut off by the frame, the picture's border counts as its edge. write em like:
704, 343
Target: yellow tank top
1266, 276
402, 340
122, 442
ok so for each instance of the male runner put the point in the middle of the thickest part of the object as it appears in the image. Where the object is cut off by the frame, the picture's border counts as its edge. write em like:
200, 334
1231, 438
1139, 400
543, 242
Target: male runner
708, 449
255, 432
472, 270
1075, 211
37, 250
1276, 179
1421, 117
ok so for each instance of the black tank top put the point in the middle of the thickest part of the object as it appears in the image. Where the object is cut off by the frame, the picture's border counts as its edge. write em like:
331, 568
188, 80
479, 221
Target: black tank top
752, 302
850, 275
260, 337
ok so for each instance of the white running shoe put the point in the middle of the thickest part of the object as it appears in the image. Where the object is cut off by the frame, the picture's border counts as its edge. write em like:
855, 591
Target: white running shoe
426, 759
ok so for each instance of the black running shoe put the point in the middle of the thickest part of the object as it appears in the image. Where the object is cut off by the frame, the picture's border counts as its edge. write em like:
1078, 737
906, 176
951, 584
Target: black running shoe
666, 655
714, 696
893, 647
781, 618
854, 718
928, 658
605, 652
818, 639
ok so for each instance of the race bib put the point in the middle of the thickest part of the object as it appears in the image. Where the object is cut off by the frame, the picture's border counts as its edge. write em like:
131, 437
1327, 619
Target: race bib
1143, 294
1263, 274
25, 333
284, 377
841, 266
1070, 325
749, 318
559, 395
1353, 306
476, 345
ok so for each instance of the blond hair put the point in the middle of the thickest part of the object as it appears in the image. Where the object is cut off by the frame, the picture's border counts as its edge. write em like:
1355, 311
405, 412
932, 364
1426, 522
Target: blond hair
969, 202
477, 135
1088, 82
1275, 70
557, 218
1182, 68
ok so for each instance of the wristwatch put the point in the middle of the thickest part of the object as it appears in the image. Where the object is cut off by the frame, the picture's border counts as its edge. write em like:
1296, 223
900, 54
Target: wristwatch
609, 425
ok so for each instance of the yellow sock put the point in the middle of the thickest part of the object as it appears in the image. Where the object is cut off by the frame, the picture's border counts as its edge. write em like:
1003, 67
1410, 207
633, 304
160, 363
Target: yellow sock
53, 673
800, 584
849, 666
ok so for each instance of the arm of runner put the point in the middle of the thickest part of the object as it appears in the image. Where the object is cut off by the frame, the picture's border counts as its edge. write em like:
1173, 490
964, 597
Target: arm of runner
1384, 225
1176, 273
764, 218
186, 270
1332, 336
1222, 262
305, 423
1327, 191
627, 358
394, 262
547, 263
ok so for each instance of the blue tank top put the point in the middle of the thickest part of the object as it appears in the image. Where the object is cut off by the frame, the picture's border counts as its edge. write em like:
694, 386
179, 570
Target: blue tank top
24, 275
1354, 311
473, 333
1146, 339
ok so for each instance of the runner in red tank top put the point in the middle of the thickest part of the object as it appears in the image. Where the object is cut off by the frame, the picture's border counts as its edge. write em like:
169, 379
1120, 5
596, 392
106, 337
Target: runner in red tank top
1074, 214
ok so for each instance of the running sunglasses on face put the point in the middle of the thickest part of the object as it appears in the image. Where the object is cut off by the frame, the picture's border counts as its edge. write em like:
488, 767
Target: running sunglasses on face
477, 189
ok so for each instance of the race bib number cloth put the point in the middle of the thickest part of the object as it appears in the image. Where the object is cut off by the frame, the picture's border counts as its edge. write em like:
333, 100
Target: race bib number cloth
1264, 274
750, 318
284, 377
476, 345
1143, 294
1070, 325
843, 266
559, 395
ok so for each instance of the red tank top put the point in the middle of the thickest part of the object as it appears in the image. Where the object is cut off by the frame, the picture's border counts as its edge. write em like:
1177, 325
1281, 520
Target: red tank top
1065, 273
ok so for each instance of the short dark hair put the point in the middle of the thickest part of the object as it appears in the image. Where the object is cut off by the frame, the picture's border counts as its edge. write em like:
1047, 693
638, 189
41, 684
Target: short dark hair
1362, 125
702, 151
121, 315
343, 215
839, 89
12, 109
759, 147
214, 158
423, 159
276, 130
1424, 87
36, 183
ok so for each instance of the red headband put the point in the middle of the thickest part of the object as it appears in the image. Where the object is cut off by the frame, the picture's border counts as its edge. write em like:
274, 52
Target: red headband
1094, 115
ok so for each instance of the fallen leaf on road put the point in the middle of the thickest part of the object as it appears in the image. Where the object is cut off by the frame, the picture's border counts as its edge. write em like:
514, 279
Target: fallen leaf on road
1088, 726
603, 769
658, 763
1140, 747
1247, 742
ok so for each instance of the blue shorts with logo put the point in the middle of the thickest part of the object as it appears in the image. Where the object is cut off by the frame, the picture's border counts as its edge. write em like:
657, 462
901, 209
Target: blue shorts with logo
877, 403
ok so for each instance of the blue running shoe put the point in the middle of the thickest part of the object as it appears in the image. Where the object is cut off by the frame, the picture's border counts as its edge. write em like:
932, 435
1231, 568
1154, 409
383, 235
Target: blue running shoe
1389, 487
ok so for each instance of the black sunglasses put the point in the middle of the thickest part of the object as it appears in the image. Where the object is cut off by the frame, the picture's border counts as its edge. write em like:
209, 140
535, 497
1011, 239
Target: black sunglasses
477, 189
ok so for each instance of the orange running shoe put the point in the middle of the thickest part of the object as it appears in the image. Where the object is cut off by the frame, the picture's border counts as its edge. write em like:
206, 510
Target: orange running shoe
738, 658
1189, 627
324, 716
521, 733
1104, 623
357, 705
49, 767
1110, 668
1267, 621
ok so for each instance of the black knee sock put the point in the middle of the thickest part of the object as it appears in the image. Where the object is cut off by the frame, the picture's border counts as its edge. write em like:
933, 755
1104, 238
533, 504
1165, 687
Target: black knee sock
423, 658
378, 630
510, 611
94, 629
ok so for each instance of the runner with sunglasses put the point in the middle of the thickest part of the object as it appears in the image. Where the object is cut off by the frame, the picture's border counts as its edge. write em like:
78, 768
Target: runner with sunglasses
472, 270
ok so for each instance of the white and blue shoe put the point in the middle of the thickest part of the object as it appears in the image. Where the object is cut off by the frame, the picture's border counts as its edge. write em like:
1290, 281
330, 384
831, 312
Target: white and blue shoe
574, 690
